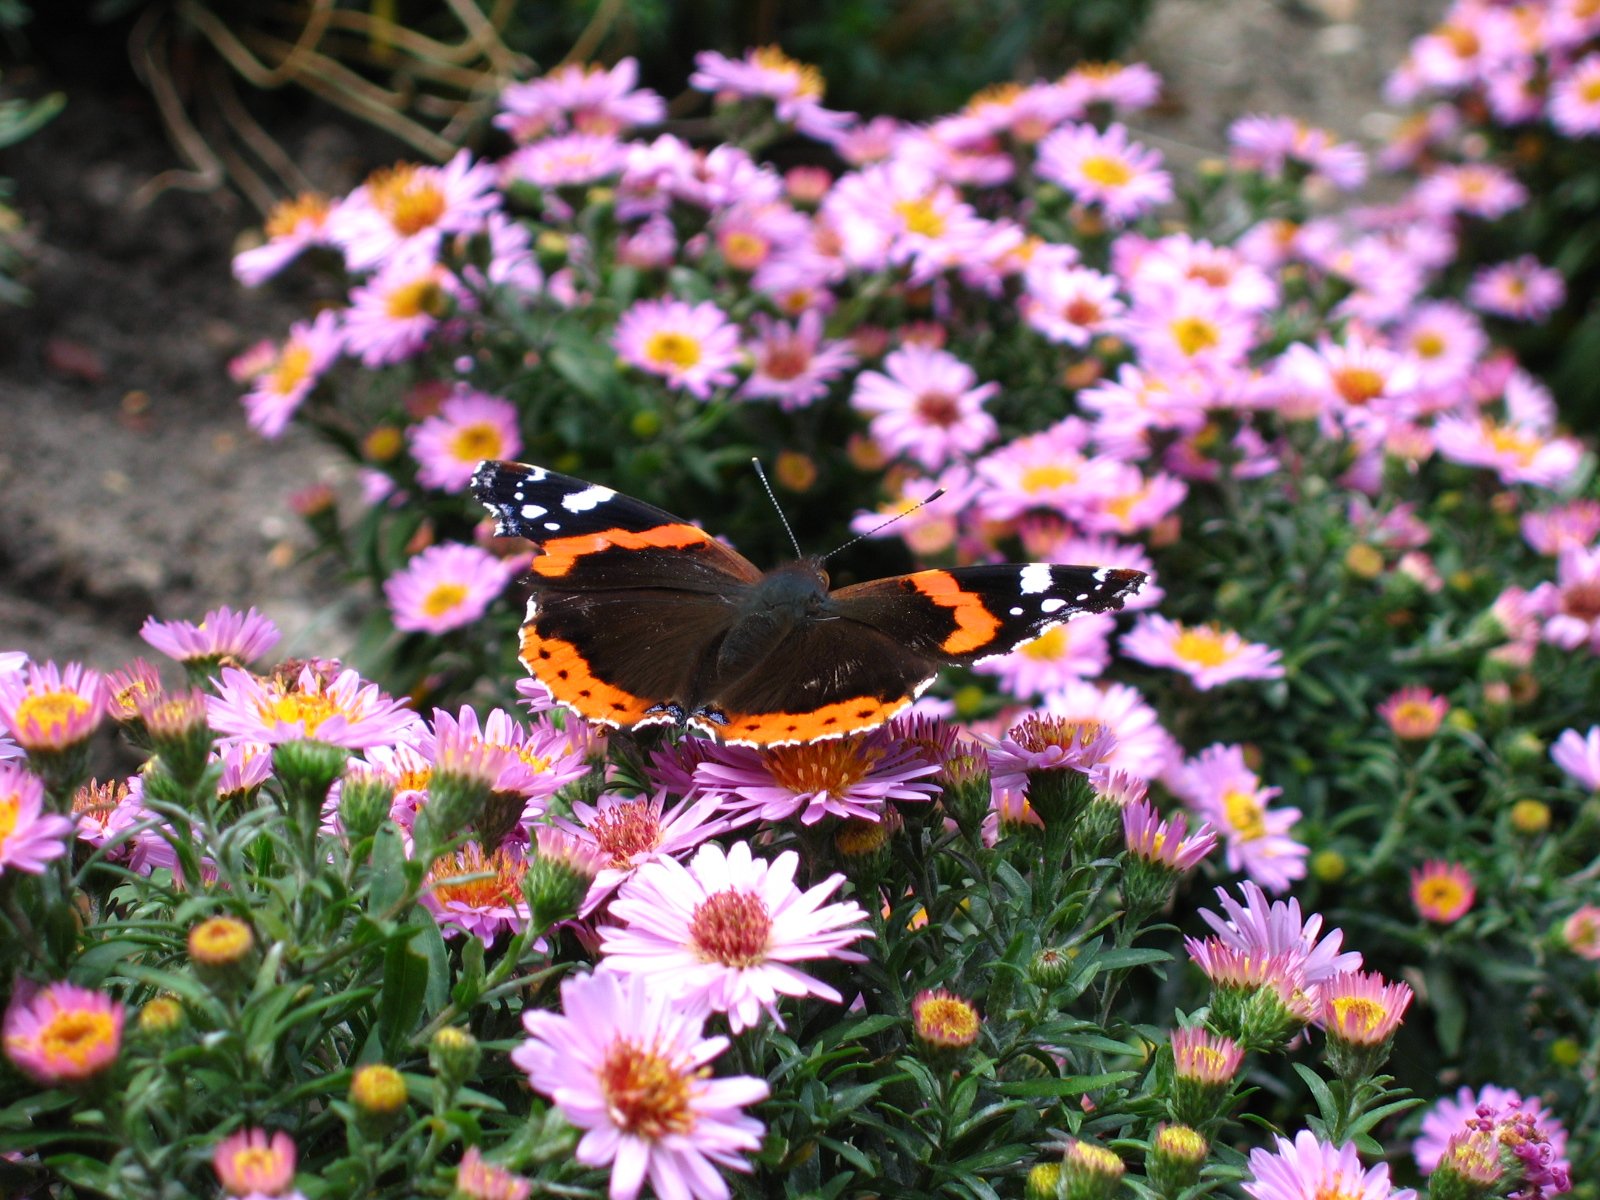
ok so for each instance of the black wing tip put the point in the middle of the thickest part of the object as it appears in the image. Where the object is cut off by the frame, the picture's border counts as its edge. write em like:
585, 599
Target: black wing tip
1123, 583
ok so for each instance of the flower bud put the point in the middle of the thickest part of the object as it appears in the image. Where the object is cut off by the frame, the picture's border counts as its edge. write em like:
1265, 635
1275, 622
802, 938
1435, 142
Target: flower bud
944, 1026
454, 1055
1090, 1172
365, 798
222, 950
1176, 1155
378, 1095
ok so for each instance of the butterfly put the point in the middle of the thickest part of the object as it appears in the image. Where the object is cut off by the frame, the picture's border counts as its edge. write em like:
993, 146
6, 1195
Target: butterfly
640, 618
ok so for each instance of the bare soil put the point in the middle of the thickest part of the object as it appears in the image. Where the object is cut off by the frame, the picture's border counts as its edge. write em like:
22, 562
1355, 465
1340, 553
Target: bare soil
129, 484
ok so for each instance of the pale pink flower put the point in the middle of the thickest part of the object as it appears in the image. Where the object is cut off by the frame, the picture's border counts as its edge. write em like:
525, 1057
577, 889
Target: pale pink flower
1414, 713
1361, 1008
445, 587
691, 346
469, 427
1266, 929
793, 364
480, 894
901, 214
342, 710
1154, 266
1442, 341
723, 933
926, 405
1275, 146
408, 209
222, 633
845, 777
583, 96
1165, 842
1141, 746
1046, 471
1218, 785
393, 314
927, 526
1552, 530
293, 226
768, 73
281, 385
46, 708
1449, 1116
1580, 932
1131, 86
568, 160
61, 1034
1184, 327
1519, 452
30, 836
1474, 189
1071, 305
1575, 98
631, 831
253, 1164
630, 1068
1073, 650
1136, 402
1523, 289
1309, 1168
1208, 654
1578, 754
1107, 169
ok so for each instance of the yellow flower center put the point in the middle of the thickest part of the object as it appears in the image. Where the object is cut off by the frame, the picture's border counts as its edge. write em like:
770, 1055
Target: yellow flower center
410, 201
1441, 894
220, 941
49, 715
291, 369
257, 1164
444, 598
477, 441
1428, 344
1106, 170
744, 250
1202, 645
1508, 439
808, 80
472, 880
309, 708
76, 1036
1048, 477
1245, 813
920, 217
1358, 1014
420, 297
947, 1021
1048, 646
646, 1093
670, 349
1194, 334
288, 215
1589, 90
10, 810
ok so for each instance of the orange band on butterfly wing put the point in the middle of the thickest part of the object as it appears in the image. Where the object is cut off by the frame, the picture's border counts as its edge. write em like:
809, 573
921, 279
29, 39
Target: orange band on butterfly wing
561, 553
975, 627
854, 715
562, 668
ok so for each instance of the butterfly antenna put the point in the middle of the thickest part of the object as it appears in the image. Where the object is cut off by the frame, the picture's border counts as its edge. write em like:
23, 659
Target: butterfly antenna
794, 541
877, 529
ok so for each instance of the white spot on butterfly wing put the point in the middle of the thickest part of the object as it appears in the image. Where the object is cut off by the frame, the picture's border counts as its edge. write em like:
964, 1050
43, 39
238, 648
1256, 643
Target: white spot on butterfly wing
591, 497
1016, 612
1035, 578
553, 526
1051, 605
531, 511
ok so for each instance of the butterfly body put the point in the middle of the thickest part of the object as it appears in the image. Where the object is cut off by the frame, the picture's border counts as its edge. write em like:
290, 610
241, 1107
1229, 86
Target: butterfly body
639, 618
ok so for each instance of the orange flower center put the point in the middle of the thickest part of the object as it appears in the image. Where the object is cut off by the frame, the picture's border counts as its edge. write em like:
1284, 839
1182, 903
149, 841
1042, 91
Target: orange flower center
646, 1094
420, 297
474, 881
291, 369
286, 217
833, 766
731, 928
77, 1037
409, 200
624, 830
1358, 384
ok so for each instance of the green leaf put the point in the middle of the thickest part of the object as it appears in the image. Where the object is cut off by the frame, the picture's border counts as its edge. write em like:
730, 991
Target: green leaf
389, 878
1067, 1085
400, 1004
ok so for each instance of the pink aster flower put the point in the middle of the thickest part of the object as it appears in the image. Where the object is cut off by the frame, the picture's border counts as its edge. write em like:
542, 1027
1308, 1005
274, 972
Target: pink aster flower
1277, 146
1580, 932
901, 213
1576, 523
1048, 472
1361, 1008
926, 405
1474, 189
252, 1163
293, 226
281, 383
691, 346
768, 73
341, 710
1208, 654
629, 1067
793, 364
1443, 341
1162, 841
60, 1034
582, 96
1107, 169
1451, 1115
536, 762
1414, 714
1578, 754
446, 587
1522, 289
1569, 607
1218, 785
1077, 649
479, 1179
1443, 892
393, 314
845, 777
1141, 746
568, 160
1184, 328
1575, 98
469, 427
481, 894
1519, 451
723, 933
410, 209
47, 709
1309, 1168
29, 836
1131, 86
928, 526
1271, 930
221, 634
631, 831
1069, 304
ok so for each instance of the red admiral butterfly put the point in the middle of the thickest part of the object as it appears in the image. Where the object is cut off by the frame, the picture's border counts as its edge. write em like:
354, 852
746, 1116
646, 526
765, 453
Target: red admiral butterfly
640, 618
